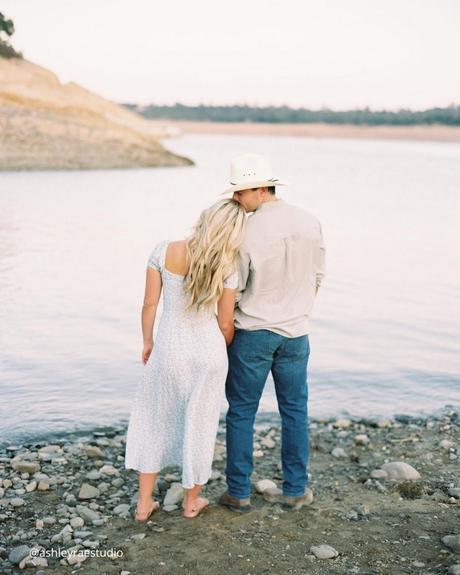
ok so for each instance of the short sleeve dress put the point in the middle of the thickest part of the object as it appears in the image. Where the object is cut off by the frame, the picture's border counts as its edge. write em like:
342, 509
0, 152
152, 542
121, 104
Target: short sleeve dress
175, 413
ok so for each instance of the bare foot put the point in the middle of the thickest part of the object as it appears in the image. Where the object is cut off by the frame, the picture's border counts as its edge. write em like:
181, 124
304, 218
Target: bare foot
143, 513
193, 509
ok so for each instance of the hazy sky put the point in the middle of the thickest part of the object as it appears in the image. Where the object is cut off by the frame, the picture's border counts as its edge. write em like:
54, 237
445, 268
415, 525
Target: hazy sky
310, 53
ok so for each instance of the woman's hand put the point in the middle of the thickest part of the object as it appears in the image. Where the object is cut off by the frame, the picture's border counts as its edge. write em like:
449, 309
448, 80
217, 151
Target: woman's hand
148, 346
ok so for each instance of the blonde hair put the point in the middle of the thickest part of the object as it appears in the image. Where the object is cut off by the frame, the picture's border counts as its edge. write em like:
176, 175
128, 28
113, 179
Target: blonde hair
212, 250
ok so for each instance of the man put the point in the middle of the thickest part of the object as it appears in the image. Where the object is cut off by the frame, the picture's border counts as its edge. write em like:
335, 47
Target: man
281, 265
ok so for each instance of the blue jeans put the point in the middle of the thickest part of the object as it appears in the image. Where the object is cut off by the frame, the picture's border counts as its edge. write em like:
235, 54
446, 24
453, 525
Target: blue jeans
252, 355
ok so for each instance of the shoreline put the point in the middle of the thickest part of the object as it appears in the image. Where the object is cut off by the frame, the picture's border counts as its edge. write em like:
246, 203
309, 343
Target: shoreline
74, 494
431, 133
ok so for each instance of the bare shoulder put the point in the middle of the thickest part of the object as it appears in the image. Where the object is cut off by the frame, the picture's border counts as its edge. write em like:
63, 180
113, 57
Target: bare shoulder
176, 256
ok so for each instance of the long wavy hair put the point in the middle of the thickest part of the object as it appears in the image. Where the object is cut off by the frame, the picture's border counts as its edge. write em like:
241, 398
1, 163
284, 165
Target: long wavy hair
212, 249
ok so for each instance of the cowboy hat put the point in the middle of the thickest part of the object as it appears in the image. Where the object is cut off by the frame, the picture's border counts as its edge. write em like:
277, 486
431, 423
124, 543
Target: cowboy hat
251, 171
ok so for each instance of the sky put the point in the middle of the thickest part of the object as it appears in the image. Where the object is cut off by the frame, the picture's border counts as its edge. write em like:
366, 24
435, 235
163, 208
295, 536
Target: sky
340, 54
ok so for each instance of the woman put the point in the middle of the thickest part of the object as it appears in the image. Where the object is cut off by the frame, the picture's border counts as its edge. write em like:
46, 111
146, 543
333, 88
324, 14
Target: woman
175, 414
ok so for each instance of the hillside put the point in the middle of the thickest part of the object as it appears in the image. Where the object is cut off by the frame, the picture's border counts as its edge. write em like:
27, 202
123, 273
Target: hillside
45, 124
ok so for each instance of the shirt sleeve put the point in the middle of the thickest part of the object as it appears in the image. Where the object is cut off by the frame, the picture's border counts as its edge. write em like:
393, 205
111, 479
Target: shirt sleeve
320, 260
243, 267
231, 281
155, 260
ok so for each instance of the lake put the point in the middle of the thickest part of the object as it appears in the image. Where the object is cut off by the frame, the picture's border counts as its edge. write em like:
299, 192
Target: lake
74, 245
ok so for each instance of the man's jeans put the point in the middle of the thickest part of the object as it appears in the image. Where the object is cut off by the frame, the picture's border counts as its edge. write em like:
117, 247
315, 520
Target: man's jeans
252, 355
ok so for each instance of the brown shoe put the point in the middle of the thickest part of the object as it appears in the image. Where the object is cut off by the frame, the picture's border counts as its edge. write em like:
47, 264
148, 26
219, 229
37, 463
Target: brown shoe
235, 504
291, 502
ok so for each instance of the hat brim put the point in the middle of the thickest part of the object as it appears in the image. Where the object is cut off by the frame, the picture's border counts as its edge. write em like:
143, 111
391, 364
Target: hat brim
251, 185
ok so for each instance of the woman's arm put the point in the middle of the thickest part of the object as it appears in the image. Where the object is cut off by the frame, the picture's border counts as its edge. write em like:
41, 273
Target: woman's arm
153, 285
225, 310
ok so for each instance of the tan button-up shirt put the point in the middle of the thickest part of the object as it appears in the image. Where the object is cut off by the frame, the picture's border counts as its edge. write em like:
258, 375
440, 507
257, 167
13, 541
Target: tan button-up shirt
280, 266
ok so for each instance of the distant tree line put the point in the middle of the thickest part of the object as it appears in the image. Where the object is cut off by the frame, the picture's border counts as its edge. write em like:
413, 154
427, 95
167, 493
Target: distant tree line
284, 114
6, 31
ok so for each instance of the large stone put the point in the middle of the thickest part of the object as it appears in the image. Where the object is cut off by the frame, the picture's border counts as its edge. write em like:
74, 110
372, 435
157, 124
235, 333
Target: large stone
379, 474
400, 470
22, 466
174, 494
122, 509
446, 444
265, 484
89, 515
361, 439
93, 451
323, 551
17, 554
452, 542
109, 470
88, 491
76, 522
339, 453
342, 423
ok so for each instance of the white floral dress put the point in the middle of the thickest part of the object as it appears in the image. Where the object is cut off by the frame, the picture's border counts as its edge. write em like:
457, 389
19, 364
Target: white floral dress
175, 414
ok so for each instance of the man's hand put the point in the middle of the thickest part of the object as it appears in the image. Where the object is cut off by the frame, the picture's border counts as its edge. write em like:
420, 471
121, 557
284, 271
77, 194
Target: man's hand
148, 346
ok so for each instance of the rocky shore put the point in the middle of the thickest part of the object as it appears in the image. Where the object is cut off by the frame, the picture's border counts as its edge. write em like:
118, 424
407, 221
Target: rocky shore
386, 501
49, 125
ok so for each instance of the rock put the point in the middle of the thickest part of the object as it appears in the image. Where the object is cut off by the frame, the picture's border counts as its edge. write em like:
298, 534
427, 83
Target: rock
384, 423
50, 449
39, 524
454, 492
93, 451
446, 444
339, 453
400, 470
76, 522
362, 439
258, 453
43, 486
93, 475
379, 474
174, 494
323, 551
454, 569
84, 534
169, 508
33, 562
49, 520
32, 486
452, 542
109, 470
138, 536
76, 557
342, 423
87, 514
17, 554
90, 544
122, 509
273, 495
22, 466
265, 484
268, 442
88, 491
17, 502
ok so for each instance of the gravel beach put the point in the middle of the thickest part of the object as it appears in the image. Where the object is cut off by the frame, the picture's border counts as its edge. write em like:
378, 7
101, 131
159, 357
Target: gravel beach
386, 501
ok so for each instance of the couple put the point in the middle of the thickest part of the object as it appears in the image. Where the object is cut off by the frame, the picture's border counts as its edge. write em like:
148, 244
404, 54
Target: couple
261, 273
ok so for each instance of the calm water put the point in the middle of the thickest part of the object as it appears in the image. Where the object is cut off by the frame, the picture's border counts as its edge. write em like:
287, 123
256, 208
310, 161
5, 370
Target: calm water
73, 249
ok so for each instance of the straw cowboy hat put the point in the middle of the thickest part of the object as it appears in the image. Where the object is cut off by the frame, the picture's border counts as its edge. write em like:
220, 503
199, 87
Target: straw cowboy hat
251, 171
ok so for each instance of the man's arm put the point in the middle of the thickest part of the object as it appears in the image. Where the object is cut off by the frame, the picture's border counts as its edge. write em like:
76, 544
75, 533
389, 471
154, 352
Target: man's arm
320, 261
243, 266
